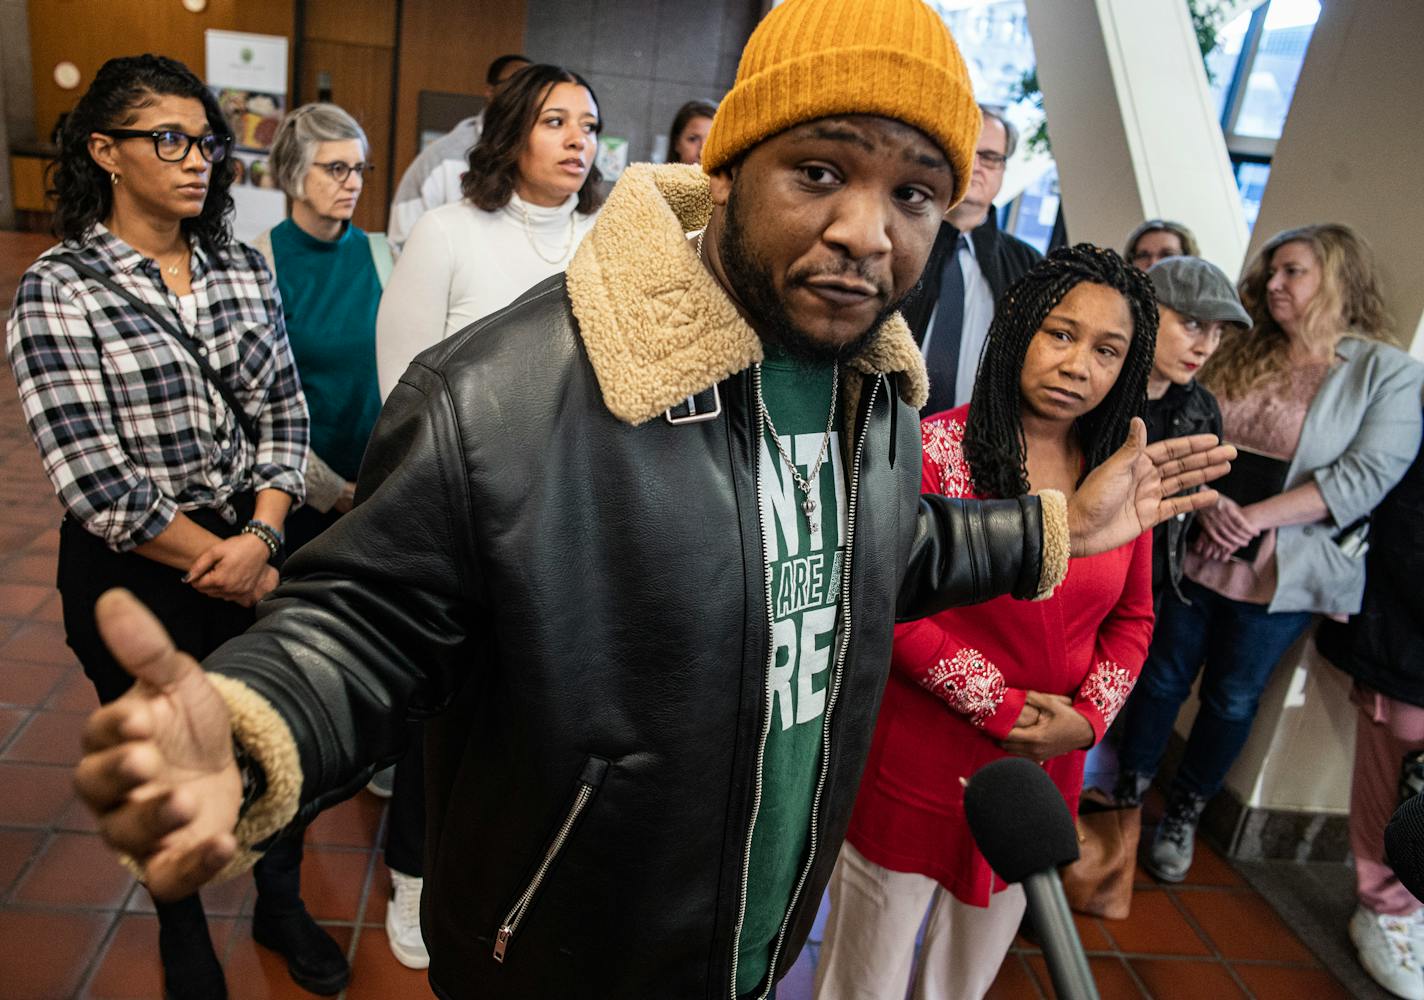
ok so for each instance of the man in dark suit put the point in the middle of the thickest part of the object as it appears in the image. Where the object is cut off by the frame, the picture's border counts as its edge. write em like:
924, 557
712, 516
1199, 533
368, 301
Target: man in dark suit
951, 314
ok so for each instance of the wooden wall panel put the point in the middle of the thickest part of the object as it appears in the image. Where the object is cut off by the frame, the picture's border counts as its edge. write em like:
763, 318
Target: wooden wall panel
447, 47
89, 32
361, 77
356, 22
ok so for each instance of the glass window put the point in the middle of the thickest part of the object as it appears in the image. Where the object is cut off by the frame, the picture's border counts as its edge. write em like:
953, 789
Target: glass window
1221, 61
1251, 180
1271, 83
1035, 211
993, 37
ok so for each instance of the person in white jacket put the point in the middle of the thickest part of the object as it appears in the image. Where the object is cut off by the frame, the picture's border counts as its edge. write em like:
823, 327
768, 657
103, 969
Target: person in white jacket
530, 196
433, 177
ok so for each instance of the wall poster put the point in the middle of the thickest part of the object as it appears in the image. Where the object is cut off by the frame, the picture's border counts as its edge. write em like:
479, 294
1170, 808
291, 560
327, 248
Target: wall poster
248, 75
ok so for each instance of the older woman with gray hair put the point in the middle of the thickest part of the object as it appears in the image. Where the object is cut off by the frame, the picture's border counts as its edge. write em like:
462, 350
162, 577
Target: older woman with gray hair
330, 274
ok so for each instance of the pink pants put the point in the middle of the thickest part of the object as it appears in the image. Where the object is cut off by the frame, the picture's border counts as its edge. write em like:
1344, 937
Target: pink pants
1386, 730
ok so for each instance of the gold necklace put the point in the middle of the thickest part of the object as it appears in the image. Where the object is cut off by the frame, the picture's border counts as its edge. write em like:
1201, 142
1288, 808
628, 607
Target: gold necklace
529, 235
182, 256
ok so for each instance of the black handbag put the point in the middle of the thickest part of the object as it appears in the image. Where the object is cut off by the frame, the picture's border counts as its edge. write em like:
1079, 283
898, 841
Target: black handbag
167, 326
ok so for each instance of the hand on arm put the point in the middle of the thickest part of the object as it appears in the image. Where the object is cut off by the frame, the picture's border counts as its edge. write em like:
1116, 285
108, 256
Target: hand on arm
158, 769
1225, 528
180, 544
236, 569
1228, 526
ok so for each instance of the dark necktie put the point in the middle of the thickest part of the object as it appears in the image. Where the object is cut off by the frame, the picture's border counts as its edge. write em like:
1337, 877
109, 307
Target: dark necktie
942, 358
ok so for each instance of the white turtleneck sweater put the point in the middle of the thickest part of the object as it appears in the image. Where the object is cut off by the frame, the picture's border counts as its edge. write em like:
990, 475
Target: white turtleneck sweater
462, 263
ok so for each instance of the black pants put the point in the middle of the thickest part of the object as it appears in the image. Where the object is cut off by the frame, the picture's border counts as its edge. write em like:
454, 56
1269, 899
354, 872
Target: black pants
405, 824
304, 524
198, 625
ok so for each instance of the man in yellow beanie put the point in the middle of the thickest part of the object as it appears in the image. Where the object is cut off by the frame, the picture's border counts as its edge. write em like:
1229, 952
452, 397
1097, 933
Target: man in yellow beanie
635, 545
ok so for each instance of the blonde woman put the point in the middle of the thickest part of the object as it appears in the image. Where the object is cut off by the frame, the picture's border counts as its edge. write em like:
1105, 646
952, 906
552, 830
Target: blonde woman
1326, 418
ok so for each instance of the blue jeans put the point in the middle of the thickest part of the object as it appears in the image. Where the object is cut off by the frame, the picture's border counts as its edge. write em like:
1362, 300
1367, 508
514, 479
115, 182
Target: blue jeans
1240, 644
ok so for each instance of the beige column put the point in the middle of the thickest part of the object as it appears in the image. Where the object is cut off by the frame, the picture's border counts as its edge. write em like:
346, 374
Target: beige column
1133, 124
1352, 150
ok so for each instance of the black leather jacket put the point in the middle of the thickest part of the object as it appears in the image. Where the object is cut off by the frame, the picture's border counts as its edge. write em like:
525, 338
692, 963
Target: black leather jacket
580, 607
1183, 410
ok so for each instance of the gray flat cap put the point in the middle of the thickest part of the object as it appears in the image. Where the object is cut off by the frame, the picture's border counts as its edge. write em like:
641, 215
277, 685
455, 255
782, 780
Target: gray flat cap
1197, 288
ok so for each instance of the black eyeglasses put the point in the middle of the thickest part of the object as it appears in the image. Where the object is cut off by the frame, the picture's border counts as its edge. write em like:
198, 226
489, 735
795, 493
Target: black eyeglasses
340, 170
172, 147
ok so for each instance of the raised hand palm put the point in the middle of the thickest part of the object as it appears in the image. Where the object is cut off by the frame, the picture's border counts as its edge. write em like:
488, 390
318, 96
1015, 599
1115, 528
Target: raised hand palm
158, 769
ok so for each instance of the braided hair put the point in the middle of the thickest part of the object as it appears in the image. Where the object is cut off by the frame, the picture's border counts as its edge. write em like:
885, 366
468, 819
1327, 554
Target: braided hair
994, 443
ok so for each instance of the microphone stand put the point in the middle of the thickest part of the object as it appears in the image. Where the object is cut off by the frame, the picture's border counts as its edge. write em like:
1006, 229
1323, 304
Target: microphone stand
1067, 965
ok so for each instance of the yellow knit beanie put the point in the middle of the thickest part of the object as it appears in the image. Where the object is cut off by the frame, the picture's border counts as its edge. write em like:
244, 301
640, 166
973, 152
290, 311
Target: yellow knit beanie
813, 58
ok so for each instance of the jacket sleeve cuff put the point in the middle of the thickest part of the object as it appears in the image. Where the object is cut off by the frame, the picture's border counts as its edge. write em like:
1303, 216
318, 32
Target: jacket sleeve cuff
263, 733
1095, 719
1103, 694
1002, 721
1054, 563
258, 727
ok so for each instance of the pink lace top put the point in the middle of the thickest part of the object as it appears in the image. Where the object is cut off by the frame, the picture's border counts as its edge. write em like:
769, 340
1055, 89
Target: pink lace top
1268, 421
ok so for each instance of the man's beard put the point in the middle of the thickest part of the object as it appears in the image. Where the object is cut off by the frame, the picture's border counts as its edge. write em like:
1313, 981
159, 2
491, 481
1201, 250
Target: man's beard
751, 279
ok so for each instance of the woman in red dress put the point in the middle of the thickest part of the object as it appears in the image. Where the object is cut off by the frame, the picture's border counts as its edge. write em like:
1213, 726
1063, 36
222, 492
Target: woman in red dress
1063, 374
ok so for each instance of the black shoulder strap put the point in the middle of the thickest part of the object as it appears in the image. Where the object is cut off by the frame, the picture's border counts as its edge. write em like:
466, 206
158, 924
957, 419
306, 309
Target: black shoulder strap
166, 325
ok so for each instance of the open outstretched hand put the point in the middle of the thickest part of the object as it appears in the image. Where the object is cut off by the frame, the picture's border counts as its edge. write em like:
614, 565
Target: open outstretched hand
158, 768
1141, 485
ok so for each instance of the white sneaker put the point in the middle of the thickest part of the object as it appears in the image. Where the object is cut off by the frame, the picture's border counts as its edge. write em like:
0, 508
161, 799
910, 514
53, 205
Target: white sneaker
403, 922
1385, 947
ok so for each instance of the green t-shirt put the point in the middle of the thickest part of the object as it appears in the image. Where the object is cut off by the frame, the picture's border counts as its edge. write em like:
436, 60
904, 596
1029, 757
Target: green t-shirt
805, 574
330, 292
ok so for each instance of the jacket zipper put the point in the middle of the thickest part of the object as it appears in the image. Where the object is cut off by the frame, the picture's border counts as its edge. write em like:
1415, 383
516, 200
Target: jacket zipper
836, 676
516, 914
851, 496
766, 678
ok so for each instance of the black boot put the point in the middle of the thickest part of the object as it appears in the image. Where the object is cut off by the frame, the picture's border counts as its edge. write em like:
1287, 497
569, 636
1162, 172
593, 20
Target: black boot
314, 961
190, 966
281, 921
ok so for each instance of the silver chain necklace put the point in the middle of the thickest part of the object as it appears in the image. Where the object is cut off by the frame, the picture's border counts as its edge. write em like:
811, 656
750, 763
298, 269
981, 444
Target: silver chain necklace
808, 502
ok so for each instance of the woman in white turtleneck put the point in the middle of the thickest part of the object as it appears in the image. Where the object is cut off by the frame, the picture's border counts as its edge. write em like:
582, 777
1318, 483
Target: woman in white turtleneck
530, 195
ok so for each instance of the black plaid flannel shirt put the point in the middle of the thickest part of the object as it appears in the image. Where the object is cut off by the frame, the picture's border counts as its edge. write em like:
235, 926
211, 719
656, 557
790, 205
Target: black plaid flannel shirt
129, 429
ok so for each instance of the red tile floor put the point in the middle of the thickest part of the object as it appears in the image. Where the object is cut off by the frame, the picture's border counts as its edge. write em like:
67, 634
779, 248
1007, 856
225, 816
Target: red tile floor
74, 924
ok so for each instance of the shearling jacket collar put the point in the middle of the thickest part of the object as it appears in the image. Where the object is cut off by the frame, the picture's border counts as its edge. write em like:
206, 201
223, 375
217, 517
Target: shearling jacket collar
656, 324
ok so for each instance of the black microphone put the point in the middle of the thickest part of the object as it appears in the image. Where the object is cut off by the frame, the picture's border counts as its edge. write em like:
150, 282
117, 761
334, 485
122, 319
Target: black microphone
1025, 832
1404, 844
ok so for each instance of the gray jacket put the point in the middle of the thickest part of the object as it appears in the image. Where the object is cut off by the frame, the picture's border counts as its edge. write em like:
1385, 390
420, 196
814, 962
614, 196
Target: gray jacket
1360, 434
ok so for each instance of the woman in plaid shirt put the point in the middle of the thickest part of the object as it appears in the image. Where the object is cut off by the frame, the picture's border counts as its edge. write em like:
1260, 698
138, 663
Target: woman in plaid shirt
167, 490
